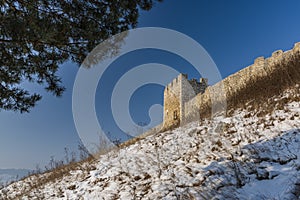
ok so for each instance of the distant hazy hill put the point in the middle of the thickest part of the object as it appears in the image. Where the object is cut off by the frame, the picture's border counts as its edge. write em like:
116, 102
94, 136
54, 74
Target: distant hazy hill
8, 175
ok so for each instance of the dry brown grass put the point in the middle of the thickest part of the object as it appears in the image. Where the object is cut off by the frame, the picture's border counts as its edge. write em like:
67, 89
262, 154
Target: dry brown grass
36, 181
260, 91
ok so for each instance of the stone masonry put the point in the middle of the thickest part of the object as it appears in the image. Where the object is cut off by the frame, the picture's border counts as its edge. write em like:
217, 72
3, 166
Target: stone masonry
185, 100
176, 94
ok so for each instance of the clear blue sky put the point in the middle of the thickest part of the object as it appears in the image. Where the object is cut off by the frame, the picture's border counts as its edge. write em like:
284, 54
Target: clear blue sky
233, 32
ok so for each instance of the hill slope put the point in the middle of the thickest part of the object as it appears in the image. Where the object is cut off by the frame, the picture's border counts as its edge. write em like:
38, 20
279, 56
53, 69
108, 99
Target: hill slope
253, 154
9, 175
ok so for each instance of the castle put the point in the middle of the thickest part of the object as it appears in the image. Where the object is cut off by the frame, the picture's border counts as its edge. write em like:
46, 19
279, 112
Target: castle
189, 100
177, 94
186, 100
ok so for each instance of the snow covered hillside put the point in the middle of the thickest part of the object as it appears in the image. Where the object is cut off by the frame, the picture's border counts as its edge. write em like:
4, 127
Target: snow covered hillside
246, 156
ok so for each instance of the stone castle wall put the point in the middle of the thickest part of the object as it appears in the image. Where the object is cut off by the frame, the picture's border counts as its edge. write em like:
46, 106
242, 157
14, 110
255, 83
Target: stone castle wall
263, 79
172, 97
176, 94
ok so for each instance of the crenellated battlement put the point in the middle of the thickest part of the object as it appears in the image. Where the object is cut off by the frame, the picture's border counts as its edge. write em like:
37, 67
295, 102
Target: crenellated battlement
296, 47
176, 82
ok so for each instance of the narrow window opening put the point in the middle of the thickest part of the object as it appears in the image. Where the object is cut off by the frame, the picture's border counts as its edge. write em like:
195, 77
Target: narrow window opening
175, 116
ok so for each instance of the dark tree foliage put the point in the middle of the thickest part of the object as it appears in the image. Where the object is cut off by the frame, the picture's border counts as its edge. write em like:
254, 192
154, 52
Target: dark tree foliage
37, 36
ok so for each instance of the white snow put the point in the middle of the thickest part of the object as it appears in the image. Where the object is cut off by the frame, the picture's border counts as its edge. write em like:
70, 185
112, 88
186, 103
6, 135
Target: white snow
239, 157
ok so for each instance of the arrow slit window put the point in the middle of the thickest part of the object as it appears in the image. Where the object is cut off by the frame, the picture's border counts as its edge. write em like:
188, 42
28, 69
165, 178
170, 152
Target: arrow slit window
175, 115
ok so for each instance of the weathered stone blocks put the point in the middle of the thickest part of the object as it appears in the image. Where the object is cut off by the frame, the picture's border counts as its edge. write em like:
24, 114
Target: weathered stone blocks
190, 100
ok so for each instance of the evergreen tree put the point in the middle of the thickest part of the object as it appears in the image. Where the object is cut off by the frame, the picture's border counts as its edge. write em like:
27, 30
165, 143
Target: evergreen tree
36, 37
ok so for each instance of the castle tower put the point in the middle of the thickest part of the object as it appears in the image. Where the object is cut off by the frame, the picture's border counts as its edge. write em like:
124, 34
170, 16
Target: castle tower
176, 94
